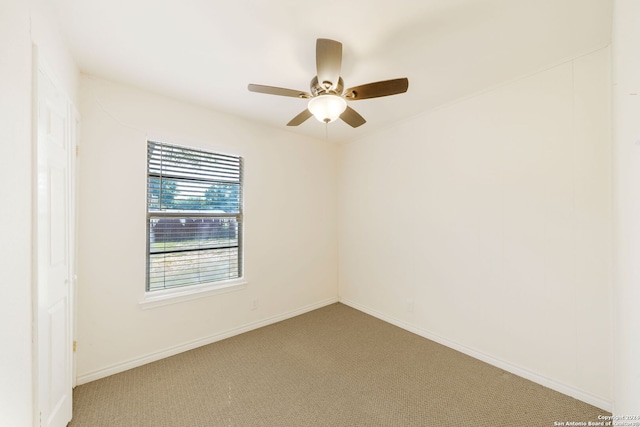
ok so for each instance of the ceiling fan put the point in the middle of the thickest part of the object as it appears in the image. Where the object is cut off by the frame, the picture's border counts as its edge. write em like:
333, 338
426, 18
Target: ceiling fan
327, 96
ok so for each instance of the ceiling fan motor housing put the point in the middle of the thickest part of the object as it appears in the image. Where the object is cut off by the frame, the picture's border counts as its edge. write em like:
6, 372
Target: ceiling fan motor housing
325, 88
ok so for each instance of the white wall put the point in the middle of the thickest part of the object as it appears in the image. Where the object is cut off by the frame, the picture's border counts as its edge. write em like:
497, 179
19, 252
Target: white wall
486, 225
290, 227
21, 24
626, 63
15, 187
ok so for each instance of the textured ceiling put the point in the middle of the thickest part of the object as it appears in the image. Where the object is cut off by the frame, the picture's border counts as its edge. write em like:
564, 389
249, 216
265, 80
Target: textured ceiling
206, 51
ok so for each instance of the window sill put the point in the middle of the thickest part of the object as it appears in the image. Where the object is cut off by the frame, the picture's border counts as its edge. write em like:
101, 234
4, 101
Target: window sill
174, 296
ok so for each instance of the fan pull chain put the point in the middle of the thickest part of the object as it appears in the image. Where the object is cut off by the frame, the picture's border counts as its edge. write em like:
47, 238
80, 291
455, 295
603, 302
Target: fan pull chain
326, 131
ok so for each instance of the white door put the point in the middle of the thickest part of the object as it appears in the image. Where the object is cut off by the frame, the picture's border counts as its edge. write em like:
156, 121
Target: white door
54, 242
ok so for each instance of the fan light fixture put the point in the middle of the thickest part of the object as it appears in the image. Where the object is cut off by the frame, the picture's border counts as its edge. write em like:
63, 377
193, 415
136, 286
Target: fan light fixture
327, 108
327, 96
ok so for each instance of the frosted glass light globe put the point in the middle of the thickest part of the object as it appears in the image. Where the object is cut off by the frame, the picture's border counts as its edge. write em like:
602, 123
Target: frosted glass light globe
327, 108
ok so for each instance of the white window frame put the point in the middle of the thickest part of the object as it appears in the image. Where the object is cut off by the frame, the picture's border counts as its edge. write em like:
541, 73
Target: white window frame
157, 298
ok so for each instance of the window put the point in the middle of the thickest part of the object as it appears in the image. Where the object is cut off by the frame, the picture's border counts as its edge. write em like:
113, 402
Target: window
194, 217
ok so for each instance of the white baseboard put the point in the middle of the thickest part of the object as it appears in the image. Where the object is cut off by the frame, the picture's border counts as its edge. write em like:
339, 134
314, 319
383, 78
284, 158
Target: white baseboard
172, 351
516, 370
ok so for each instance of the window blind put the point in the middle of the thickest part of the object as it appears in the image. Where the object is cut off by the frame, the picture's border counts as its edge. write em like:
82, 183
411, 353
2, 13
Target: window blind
194, 216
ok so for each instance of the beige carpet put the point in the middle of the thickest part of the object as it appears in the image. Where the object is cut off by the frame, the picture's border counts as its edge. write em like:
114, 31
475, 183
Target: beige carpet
331, 367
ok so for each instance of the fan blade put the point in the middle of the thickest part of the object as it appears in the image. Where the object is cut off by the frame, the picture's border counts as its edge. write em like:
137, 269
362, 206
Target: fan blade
300, 118
328, 62
272, 90
378, 89
352, 118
